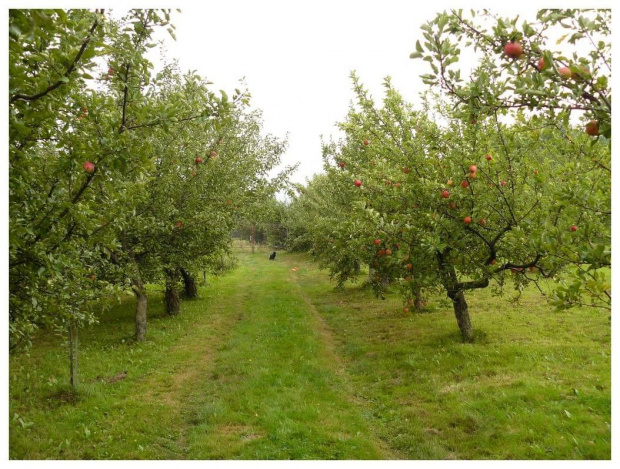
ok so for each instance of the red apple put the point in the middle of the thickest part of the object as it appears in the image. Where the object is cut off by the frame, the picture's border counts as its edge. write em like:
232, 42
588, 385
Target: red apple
405, 309
445, 194
494, 261
198, 160
573, 228
213, 154
536, 172
473, 168
110, 71
88, 166
513, 50
388, 183
483, 222
565, 72
465, 184
358, 183
503, 183
592, 128
409, 266
467, 220
397, 184
341, 164
449, 183
406, 170
179, 223
453, 206
541, 64
381, 252
489, 157
388, 252
472, 175
408, 278
366, 142
377, 242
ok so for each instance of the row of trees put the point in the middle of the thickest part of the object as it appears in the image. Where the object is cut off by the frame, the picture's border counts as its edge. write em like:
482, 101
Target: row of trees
493, 178
119, 176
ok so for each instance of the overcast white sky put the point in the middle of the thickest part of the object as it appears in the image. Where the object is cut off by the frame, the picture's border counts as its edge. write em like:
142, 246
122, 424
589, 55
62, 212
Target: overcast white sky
296, 58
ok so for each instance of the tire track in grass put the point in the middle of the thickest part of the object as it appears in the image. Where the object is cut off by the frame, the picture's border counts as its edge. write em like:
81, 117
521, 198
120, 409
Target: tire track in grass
275, 390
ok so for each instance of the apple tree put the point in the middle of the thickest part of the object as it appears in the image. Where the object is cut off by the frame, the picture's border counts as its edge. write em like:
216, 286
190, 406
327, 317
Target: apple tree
553, 70
456, 207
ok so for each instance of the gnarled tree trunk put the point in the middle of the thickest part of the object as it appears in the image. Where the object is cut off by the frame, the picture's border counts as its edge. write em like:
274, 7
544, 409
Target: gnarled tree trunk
141, 305
461, 311
191, 290
171, 296
416, 291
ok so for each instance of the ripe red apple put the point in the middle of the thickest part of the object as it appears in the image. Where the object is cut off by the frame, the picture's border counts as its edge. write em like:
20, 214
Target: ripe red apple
198, 160
573, 228
179, 223
408, 278
397, 184
445, 194
388, 252
503, 183
494, 261
472, 175
592, 128
565, 72
358, 183
366, 142
483, 222
465, 184
453, 206
110, 71
473, 168
409, 266
406, 170
536, 172
213, 154
88, 166
341, 164
489, 157
513, 50
377, 242
467, 220
541, 64
381, 252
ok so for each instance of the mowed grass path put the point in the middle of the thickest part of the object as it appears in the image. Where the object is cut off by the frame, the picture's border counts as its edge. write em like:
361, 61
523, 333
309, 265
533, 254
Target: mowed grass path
273, 363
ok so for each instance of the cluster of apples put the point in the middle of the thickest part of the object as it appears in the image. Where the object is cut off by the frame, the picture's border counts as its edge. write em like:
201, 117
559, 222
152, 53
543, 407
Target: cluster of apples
514, 50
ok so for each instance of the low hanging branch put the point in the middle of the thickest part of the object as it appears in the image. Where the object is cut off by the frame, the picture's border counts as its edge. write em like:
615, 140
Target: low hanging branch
62, 80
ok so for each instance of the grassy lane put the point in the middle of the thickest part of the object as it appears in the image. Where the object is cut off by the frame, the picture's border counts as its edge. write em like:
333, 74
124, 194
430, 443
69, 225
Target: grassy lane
276, 390
535, 385
245, 372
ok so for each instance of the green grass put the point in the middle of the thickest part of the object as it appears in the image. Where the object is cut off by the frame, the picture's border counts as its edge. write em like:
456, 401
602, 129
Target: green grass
273, 363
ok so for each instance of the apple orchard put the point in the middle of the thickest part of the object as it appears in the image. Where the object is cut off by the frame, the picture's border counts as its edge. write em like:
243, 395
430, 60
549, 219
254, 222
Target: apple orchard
120, 177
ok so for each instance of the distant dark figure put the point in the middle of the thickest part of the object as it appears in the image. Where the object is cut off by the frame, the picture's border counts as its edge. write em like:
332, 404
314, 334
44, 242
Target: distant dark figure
273, 256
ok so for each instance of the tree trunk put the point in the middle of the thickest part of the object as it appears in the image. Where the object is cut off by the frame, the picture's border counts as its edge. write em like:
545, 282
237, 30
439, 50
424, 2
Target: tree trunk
73, 354
457, 295
371, 274
356, 267
191, 290
171, 296
252, 238
461, 311
141, 306
417, 297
